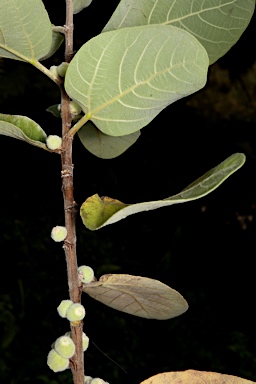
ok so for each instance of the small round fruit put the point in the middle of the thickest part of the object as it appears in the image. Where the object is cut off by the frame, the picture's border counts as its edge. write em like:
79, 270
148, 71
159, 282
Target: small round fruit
62, 69
56, 362
59, 233
63, 307
53, 142
85, 340
86, 274
87, 379
65, 346
97, 380
75, 312
75, 109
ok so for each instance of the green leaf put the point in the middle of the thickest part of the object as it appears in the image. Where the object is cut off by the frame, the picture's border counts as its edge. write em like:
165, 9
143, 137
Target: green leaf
26, 31
138, 296
79, 5
104, 146
123, 79
23, 128
217, 24
57, 40
97, 212
54, 110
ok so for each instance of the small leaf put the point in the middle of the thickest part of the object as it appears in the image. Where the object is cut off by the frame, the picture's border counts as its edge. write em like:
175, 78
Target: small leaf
104, 146
23, 128
138, 296
216, 24
97, 212
57, 40
26, 31
79, 5
55, 110
195, 377
123, 79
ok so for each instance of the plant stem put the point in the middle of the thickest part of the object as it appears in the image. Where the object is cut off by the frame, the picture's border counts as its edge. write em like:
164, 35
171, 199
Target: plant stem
75, 289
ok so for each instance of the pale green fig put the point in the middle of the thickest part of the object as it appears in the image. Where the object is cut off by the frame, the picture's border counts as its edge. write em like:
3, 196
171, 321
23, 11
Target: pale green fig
97, 380
62, 69
54, 142
54, 70
63, 307
56, 362
65, 346
75, 109
87, 379
75, 312
85, 340
59, 233
86, 274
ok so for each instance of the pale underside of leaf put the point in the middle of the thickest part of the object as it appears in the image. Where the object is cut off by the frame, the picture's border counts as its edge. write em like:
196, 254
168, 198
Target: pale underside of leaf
138, 296
217, 24
79, 5
195, 377
57, 40
104, 146
22, 128
25, 30
98, 212
123, 79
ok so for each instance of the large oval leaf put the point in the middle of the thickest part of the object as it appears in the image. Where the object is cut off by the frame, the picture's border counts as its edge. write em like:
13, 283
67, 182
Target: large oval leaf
195, 377
138, 296
123, 79
25, 30
104, 146
23, 128
217, 24
97, 212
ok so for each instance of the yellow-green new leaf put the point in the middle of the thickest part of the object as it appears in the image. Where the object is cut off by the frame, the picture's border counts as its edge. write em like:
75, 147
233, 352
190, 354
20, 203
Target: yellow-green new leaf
217, 24
123, 79
97, 212
195, 377
104, 146
25, 30
23, 128
138, 296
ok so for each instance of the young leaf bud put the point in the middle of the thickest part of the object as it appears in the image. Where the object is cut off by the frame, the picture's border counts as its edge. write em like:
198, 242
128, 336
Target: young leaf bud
62, 69
65, 346
56, 362
53, 142
75, 109
63, 307
59, 233
75, 312
86, 274
87, 379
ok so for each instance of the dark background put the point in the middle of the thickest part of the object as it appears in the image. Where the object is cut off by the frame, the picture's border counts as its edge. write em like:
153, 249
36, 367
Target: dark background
204, 249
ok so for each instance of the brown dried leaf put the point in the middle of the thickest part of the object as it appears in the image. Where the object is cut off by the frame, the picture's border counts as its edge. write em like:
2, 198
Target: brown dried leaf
195, 377
138, 296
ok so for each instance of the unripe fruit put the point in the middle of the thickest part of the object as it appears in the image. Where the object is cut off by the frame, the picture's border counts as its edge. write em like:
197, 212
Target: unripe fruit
75, 109
75, 312
65, 346
63, 307
87, 379
97, 380
85, 340
56, 362
62, 69
86, 274
54, 70
53, 142
59, 233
